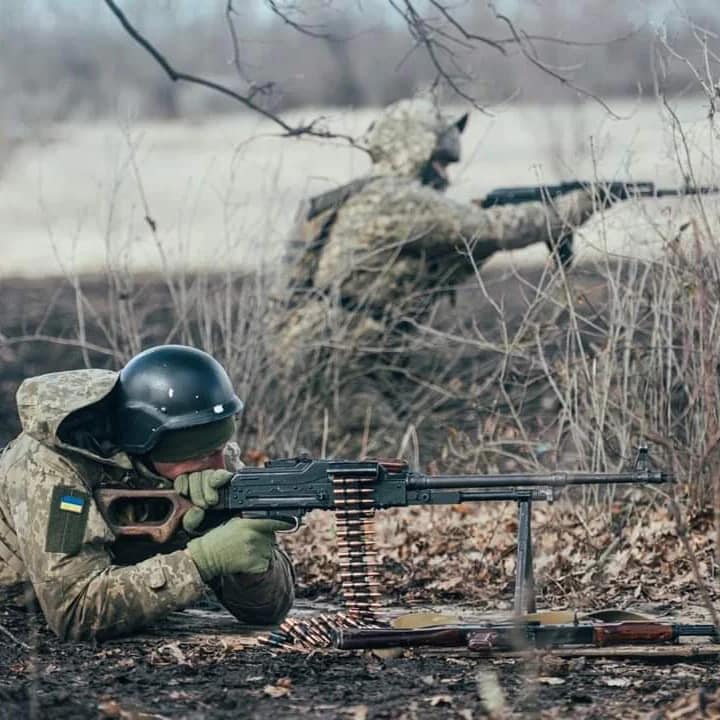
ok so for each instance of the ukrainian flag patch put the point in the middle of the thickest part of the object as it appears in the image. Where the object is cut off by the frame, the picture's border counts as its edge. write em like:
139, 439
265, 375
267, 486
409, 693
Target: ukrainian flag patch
67, 520
68, 503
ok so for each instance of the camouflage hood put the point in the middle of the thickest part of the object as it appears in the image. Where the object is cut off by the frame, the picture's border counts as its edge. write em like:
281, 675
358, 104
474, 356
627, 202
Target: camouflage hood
45, 401
402, 140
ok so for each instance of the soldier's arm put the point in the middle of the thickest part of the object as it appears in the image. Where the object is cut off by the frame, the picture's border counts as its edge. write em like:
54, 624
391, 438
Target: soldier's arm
256, 599
82, 594
439, 225
259, 599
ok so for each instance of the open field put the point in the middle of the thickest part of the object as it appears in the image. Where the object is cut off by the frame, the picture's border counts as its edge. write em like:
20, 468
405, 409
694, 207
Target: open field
223, 191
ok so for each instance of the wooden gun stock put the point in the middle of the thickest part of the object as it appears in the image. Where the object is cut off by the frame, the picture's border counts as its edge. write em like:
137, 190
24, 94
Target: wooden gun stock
163, 508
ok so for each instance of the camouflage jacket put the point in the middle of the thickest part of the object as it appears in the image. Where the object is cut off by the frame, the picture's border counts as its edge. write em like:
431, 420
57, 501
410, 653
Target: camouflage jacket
54, 538
391, 248
383, 247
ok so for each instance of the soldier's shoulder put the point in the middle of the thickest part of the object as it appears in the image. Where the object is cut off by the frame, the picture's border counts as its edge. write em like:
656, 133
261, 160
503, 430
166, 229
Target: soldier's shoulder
393, 194
42, 460
387, 188
334, 199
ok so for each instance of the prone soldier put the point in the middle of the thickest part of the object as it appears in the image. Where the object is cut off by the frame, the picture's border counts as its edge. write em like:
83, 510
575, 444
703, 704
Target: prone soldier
167, 419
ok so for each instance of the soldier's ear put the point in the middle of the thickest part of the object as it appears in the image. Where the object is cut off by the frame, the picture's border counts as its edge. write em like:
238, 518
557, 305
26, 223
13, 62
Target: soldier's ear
462, 122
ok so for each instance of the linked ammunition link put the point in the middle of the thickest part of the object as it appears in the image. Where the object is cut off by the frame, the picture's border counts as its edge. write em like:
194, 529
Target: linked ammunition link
355, 523
359, 575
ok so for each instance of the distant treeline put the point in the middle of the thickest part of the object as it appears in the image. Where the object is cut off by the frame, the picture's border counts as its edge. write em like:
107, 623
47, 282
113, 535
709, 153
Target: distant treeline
64, 61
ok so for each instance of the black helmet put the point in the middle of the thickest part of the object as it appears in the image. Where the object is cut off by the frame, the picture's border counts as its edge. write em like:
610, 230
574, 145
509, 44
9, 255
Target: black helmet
170, 387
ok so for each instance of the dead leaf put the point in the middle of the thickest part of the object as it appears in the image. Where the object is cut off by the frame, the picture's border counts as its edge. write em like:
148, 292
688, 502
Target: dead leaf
357, 712
436, 700
550, 680
168, 654
281, 688
617, 682
387, 653
112, 709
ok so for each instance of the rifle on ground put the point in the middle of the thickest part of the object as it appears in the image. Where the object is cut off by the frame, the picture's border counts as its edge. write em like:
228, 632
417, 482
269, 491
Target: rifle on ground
606, 192
354, 489
520, 636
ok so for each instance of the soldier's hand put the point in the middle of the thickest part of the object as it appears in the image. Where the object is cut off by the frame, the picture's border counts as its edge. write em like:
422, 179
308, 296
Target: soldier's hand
573, 209
202, 489
241, 545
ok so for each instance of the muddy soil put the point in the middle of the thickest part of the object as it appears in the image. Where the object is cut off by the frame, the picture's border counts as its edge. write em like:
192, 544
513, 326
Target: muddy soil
194, 665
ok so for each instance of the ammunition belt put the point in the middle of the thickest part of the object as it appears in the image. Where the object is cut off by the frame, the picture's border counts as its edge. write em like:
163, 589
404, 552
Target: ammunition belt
359, 575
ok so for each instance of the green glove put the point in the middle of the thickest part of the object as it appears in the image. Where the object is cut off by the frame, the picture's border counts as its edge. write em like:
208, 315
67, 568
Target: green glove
202, 489
241, 545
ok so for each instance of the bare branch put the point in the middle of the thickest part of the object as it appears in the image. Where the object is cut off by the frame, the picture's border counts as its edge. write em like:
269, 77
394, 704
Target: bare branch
440, 36
310, 128
468, 35
229, 12
572, 43
499, 44
550, 71
304, 29
422, 33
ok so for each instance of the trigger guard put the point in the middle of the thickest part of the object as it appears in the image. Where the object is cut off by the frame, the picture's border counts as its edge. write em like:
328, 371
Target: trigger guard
294, 529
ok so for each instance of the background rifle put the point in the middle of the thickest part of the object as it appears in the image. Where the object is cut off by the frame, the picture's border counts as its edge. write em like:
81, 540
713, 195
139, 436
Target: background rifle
287, 489
518, 636
606, 192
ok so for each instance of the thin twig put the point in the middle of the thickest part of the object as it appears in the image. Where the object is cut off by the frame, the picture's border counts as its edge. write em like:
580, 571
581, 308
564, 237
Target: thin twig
547, 69
304, 29
52, 339
232, 31
310, 129
17, 641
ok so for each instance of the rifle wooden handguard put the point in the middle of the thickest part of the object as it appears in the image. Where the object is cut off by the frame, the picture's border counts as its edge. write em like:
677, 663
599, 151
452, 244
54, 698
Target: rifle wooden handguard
633, 632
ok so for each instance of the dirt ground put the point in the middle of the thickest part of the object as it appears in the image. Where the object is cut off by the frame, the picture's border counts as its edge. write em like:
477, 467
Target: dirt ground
193, 665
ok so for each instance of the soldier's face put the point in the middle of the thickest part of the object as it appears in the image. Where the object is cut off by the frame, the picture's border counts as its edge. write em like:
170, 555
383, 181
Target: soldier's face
447, 151
171, 470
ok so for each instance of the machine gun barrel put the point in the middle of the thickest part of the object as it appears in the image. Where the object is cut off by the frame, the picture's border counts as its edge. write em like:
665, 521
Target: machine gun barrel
523, 480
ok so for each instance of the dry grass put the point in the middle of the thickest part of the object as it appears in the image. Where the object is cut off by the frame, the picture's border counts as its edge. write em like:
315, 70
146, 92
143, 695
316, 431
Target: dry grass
530, 369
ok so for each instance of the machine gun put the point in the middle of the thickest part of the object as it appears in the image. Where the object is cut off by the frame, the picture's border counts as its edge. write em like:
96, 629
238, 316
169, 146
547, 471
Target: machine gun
287, 489
607, 192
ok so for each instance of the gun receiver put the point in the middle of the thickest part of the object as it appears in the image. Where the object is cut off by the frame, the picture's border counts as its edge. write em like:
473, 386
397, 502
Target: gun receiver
290, 488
